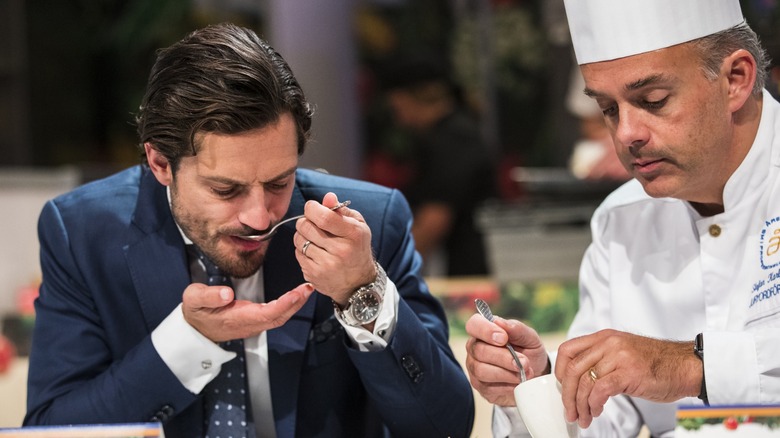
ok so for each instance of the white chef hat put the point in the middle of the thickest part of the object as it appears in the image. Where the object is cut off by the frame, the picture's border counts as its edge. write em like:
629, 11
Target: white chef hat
603, 30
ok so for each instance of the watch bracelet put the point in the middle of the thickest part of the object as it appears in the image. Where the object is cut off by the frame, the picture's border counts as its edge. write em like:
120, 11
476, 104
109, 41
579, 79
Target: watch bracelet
379, 282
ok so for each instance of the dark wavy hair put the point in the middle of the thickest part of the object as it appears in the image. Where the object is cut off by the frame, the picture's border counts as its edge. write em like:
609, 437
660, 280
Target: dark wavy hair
222, 79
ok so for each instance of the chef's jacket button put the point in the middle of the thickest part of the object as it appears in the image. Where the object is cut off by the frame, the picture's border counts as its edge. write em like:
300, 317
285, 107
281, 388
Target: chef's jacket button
206, 364
714, 230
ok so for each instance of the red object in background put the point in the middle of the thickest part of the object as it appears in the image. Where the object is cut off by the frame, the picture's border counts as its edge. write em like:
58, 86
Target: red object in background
25, 300
7, 354
382, 169
509, 189
731, 423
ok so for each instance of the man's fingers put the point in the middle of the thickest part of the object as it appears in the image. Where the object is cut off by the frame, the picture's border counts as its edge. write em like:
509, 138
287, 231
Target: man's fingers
220, 319
572, 368
330, 200
495, 383
323, 219
519, 334
479, 327
584, 389
586, 368
570, 354
491, 364
199, 296
275, 313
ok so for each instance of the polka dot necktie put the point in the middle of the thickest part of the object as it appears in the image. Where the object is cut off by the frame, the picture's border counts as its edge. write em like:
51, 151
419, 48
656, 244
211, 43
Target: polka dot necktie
226, 398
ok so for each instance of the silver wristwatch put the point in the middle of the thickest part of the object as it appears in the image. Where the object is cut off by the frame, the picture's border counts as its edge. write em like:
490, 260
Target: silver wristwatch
364, 304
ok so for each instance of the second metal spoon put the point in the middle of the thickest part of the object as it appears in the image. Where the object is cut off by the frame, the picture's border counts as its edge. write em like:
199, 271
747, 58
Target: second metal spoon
484, 310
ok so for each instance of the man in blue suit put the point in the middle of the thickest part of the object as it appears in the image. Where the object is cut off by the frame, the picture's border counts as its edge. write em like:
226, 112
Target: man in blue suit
341, 337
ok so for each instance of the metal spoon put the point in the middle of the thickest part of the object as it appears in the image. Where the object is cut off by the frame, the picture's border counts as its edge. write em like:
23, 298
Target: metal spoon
484, 310
275, 228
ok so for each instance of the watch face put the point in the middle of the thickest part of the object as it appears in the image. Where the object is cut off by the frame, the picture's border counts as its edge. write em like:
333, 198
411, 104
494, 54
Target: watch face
365, 307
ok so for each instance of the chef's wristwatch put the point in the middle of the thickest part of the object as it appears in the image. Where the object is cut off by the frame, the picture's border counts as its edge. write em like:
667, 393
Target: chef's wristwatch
364, 304
698, 349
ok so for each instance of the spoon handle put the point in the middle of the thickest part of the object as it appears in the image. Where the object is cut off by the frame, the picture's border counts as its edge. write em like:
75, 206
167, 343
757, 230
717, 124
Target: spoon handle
295, 218
484, 310
272, 231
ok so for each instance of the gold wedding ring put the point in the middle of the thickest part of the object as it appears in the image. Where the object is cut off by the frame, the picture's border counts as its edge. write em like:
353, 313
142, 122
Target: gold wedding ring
305, 246
593, 375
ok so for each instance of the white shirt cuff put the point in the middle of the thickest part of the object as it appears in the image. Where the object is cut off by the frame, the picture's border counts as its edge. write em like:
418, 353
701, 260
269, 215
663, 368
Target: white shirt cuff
193, 358
384, 325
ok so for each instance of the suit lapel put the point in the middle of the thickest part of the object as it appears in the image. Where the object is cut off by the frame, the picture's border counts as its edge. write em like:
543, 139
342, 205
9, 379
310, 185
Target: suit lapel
155, 241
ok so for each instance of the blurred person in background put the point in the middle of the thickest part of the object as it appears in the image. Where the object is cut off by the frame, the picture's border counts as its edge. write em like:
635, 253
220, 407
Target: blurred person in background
679, 300
593, 157
329, 325
452, 170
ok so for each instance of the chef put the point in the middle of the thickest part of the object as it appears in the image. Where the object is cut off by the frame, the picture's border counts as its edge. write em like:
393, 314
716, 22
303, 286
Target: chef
680, 288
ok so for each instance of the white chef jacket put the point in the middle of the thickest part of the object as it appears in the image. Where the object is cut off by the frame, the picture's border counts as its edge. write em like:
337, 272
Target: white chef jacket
657, 268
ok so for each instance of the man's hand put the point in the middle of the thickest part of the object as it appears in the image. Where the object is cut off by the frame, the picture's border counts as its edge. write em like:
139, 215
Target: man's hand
338, 258
492, 370
595, 367
212, 311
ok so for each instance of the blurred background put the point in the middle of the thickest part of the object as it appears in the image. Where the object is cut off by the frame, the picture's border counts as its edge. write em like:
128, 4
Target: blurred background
72, 74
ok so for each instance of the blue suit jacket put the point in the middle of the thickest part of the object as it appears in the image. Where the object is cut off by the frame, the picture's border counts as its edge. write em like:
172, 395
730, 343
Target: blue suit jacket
114, 266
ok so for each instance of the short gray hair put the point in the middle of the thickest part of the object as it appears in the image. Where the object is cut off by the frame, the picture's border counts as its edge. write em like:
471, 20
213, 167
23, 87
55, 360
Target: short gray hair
714, 48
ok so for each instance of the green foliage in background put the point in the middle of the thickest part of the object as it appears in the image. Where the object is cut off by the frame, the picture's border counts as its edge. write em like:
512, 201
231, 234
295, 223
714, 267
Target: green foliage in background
548, 307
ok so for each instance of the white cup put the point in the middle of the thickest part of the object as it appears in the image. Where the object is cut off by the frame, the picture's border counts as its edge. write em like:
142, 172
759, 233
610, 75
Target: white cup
541, 407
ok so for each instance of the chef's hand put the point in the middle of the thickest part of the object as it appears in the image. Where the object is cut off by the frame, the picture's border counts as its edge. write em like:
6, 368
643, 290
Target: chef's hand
338, 257
492, 370
595, 367
212, 311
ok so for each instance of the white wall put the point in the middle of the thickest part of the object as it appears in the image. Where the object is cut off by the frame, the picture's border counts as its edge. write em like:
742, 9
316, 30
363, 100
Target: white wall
23, 193
316, 39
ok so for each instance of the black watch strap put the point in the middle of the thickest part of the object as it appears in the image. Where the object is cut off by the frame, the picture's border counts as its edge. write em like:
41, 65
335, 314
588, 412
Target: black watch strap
698, 349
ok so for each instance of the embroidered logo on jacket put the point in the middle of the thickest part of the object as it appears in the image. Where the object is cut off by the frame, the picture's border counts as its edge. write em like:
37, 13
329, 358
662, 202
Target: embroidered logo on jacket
770, 244
765, 294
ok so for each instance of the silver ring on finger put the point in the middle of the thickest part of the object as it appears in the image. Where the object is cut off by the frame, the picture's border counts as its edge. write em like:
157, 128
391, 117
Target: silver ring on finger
305, 246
